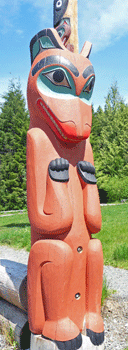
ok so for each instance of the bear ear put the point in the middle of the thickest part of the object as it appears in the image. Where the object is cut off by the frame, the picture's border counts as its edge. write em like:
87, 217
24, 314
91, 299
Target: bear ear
44, 40
86, 50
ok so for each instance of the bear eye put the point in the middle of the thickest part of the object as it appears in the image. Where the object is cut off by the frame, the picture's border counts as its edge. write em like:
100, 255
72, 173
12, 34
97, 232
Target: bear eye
89, 85
57, 77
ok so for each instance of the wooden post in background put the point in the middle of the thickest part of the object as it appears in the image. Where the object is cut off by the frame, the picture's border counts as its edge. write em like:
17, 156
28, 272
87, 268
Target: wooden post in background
72, 13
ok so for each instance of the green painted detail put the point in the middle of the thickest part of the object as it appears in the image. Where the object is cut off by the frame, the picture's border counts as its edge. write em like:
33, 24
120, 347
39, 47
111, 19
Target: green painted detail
49, 88
86, 96
61, 32
66, 19
46, 43
61, 92
35, 49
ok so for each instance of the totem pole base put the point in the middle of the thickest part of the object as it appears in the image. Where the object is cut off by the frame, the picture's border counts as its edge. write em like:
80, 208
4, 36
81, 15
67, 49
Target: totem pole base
39, 343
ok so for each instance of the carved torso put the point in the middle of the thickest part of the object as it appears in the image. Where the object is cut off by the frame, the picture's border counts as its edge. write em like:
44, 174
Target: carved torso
62, 196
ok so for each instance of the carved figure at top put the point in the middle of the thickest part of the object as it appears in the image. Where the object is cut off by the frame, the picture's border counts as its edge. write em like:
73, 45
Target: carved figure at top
61, 23
65, 265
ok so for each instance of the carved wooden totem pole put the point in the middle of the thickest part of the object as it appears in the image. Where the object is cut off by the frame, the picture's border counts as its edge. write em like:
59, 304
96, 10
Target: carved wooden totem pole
65, 265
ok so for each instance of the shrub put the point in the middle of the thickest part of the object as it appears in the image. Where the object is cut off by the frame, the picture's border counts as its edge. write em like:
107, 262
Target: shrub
115, 188
14, 123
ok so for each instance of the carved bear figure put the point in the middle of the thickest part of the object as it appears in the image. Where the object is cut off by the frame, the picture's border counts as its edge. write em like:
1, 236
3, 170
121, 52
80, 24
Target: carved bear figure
65, 265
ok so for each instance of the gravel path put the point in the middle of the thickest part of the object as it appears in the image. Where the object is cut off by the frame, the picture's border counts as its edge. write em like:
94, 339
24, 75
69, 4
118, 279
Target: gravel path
115, 310
20, 256
117, 279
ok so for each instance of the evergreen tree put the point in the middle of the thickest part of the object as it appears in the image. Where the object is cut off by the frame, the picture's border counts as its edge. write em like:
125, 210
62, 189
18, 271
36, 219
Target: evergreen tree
109, 140
14, 123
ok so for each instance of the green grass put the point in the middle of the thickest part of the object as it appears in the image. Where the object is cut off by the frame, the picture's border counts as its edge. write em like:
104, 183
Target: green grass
121, 252
114, 235
7, 331
15, 231
106, 292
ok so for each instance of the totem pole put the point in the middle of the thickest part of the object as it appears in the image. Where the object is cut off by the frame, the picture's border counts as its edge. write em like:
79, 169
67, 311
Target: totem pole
65, 264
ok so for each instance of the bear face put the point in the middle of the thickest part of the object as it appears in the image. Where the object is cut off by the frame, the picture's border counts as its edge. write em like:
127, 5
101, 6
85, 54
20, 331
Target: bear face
60, 87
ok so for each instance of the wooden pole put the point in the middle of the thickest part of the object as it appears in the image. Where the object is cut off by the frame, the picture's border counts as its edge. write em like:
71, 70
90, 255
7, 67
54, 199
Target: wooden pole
13, 283
11, 316
72, 12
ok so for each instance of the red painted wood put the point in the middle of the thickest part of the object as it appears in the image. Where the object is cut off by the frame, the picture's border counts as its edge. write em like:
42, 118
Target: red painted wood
64, 282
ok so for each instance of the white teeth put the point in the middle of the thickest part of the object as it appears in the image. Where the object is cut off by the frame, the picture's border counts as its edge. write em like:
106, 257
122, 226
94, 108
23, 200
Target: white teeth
52, 119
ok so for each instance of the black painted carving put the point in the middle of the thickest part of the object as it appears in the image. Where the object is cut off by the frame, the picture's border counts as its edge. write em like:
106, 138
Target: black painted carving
58, 170
58, 76
72, 344
25, 337
90, 85
96, 338
53, 39
59, 8
43, 33
65, 62
87, 172
88, 71
50, 60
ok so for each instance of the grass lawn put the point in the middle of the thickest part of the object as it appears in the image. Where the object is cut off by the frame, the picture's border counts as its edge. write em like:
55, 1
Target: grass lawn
114, 235
15, 231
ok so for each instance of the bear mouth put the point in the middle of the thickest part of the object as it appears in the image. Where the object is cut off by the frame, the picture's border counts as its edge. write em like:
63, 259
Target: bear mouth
44, 108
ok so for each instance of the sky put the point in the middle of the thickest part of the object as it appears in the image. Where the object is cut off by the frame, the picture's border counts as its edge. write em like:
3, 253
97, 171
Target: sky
103, 23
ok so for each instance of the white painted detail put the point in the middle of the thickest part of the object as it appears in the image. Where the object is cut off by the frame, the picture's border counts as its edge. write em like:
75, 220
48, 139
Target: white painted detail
58, 95
59, 4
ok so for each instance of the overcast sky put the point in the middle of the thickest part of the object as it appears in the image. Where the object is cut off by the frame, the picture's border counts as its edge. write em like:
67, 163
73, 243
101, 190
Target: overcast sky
104, 23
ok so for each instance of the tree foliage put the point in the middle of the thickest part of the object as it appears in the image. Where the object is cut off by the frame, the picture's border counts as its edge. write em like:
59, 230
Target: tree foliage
14, 123
109, 139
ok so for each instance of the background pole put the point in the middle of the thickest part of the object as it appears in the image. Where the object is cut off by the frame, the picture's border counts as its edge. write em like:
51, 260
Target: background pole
72, 13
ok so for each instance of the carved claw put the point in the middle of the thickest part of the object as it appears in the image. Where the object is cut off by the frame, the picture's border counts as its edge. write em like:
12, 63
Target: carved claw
96, 338
87, 172
58, 170
72, 344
